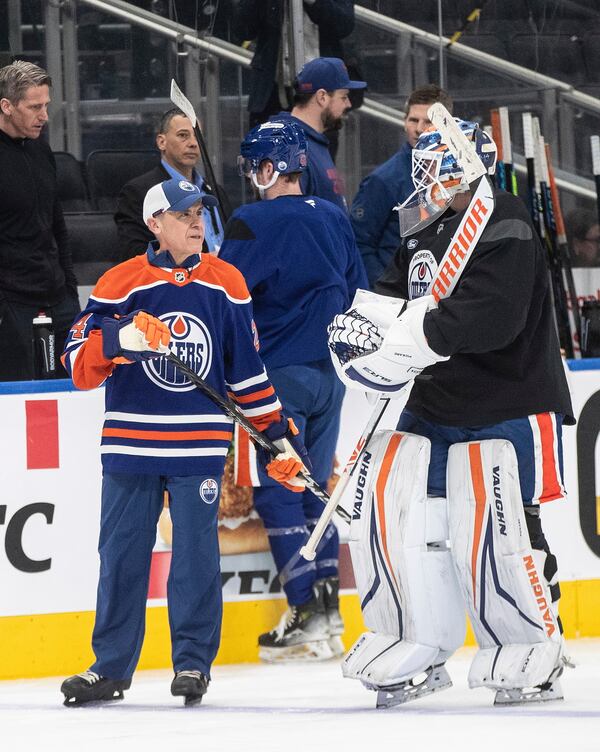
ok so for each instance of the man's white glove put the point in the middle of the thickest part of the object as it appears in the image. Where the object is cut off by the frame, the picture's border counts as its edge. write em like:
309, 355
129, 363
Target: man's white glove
382, 347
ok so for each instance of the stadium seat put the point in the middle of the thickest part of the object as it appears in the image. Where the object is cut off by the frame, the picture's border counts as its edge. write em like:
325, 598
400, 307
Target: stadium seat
556, 55
109, 169
93, 242
591, 52
72, 190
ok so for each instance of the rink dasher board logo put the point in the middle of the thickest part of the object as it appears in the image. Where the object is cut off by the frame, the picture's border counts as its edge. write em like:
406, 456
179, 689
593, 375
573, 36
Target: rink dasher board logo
15, 526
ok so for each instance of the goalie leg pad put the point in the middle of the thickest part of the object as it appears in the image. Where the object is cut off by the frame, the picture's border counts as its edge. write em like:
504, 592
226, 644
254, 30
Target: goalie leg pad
405, 577
502, 577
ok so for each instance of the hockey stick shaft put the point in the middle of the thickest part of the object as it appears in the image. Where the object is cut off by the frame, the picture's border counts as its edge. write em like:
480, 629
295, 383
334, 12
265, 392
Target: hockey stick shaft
595, 145
450, 268
497, 137
510, 177
309, 550
532, 195
233, 411
180, 100
562, 241
455, 259
550, 239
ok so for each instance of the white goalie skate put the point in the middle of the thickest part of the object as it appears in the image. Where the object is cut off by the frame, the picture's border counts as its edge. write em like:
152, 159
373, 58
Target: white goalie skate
432, 680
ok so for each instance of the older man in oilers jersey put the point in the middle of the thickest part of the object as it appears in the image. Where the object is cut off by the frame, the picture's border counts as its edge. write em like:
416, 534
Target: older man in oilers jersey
160, 434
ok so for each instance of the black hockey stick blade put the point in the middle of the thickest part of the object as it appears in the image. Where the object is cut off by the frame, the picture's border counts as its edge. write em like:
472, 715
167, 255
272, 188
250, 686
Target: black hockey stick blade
233, 411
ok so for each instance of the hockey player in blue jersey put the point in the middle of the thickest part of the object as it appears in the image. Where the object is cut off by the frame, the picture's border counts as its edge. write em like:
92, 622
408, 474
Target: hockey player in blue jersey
301, 264
162, 435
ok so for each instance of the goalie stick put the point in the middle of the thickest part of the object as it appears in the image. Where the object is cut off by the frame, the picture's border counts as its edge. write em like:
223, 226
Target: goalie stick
452, 265
183, 103
233, 411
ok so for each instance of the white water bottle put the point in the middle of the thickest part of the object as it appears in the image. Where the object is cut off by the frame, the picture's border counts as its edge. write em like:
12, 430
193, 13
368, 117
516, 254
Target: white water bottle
44, 349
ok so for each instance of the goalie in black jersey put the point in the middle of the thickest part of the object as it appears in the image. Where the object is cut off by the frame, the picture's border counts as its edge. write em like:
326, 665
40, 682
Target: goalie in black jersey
450, 512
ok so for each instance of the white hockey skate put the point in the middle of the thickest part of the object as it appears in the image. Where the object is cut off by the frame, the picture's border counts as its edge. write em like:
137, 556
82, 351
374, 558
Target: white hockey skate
432, 680
550, 690
544, 693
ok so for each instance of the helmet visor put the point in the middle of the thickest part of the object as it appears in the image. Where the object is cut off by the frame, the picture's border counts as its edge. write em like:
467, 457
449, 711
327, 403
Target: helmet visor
422, 208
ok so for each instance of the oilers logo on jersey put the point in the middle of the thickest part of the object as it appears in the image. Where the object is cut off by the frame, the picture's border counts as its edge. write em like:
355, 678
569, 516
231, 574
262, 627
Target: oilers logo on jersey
191, 342
422, 269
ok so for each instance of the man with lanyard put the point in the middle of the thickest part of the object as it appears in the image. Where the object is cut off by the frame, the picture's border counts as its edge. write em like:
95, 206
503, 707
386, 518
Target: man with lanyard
179, 152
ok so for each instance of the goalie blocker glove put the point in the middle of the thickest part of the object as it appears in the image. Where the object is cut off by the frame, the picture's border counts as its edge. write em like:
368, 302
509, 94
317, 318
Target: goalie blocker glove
134, 338
374, 349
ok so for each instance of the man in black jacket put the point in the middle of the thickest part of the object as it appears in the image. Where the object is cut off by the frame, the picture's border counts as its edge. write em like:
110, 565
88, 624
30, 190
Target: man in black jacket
179, 153
36, 271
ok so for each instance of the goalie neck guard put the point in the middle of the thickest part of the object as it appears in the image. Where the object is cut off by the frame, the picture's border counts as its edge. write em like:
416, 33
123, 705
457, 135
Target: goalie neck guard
283, 144
438, 176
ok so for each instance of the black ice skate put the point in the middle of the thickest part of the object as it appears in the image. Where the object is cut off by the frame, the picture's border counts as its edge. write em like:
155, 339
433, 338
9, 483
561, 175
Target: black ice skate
90, 687
191, 685
302, 634
331, 593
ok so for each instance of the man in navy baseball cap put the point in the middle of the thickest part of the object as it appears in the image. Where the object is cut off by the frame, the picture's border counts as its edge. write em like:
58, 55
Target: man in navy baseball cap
321, 104
329, 73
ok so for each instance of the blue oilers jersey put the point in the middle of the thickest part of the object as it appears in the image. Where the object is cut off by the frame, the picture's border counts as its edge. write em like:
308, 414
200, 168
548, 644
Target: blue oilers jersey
299, 258
156, 421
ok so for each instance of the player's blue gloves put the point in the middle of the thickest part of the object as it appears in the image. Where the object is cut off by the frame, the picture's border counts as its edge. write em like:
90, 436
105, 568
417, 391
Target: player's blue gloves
293, 458
135, 337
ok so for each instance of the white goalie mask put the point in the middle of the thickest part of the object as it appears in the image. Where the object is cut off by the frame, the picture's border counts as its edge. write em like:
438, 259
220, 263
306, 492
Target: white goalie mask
438, 177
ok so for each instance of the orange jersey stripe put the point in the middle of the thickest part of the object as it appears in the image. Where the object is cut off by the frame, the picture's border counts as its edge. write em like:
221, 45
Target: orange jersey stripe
254, 397
480, 503
130, 433
551, 485
382, 478
242, 440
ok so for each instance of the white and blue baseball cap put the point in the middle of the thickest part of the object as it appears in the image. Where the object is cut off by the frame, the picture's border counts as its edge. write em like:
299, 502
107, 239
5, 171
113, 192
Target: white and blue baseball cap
174, 195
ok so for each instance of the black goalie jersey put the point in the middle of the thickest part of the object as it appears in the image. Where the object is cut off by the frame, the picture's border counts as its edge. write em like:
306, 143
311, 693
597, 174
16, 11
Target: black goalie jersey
497, 325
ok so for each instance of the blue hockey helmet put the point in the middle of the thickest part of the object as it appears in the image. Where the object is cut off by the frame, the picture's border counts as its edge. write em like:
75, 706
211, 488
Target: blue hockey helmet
438, 177
283, 144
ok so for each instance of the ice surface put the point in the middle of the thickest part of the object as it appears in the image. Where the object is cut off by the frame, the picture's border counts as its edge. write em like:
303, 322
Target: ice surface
297, 708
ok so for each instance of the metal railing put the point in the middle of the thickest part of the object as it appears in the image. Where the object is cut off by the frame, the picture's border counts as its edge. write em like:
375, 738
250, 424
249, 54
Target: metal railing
482, 59
186, 37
